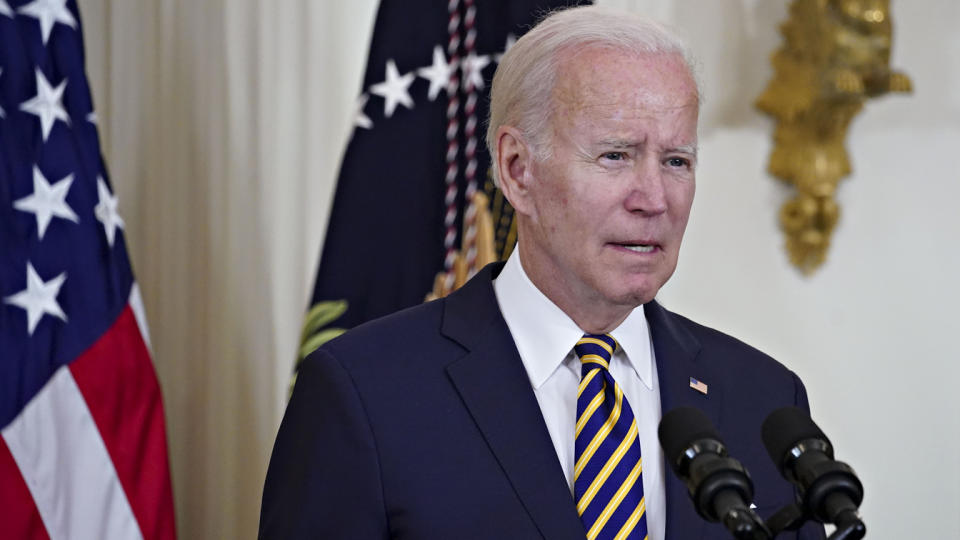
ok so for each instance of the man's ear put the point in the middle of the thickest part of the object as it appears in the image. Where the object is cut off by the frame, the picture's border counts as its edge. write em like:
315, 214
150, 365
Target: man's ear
515, 165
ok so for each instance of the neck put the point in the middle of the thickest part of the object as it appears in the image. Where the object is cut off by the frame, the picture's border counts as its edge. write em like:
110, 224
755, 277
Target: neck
591, 313
595, 323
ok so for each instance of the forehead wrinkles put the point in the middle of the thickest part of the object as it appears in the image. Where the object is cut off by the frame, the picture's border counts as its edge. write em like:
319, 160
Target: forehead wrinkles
612, 83
635, 120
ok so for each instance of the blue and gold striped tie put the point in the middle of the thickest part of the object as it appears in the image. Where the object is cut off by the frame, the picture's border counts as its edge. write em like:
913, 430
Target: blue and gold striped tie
608, 482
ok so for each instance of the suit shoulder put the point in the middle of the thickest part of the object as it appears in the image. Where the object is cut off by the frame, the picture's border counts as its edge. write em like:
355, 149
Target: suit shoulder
398, 339
736, 355
711, 338
413, 320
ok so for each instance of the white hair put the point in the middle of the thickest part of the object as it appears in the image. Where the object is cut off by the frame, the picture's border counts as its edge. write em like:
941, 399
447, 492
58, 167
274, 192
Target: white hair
521, 93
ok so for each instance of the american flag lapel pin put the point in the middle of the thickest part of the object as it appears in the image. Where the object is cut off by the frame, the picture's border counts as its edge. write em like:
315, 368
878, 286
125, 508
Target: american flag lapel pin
698, 385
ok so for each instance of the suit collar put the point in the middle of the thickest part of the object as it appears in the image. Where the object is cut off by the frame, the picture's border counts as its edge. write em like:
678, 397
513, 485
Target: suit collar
494, 387
543, 333
471, 308
678, 359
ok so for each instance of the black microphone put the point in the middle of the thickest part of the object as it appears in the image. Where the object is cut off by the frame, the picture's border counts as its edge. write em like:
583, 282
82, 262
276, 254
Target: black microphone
719, 485
830, 491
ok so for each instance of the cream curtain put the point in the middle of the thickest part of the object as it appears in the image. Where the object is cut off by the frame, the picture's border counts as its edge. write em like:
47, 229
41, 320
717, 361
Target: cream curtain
223, 122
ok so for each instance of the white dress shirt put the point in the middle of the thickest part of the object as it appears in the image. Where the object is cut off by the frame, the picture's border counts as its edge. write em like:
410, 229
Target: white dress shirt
545, 337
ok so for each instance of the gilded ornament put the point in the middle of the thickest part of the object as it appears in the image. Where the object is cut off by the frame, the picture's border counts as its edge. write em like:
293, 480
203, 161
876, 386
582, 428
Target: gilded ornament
835, 56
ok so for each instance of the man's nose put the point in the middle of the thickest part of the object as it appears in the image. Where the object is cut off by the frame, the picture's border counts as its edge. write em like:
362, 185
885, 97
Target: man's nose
647, 191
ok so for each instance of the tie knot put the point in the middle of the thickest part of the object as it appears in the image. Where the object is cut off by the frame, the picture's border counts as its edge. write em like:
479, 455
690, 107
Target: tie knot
596, 349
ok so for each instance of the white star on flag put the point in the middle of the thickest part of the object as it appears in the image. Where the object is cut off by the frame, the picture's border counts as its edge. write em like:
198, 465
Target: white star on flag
47, 104
394, 90
437, 73
47, 201
106, 211
360, 118
39, 298
5, 9
473, 69
49, 12
3, 113
92, 117
511, 40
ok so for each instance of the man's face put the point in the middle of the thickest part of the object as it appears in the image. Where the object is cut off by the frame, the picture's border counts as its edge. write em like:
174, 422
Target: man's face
607, 209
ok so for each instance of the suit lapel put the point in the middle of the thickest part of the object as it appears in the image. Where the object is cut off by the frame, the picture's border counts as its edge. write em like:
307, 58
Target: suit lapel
494, 387
676, 351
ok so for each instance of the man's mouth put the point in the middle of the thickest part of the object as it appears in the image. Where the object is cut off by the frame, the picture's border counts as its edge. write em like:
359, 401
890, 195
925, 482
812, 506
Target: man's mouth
638, 248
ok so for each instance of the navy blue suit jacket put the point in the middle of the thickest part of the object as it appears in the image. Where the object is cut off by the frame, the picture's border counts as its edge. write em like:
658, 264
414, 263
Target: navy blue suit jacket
423, 424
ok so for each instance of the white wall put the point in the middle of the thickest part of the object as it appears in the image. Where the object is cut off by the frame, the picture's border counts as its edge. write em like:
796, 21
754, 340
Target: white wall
223, 123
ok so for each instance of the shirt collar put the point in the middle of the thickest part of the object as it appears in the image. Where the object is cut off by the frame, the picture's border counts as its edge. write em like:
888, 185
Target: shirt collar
545, 335
633, 336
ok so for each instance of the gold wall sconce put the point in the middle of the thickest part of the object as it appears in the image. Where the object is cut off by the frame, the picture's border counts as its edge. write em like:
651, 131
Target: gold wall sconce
835, 56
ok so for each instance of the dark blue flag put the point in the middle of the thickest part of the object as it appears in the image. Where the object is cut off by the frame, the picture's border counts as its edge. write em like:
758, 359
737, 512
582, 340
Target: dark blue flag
401, 224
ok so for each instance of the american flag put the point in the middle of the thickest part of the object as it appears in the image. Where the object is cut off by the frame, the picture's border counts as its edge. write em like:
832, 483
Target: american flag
83, 451
698, 385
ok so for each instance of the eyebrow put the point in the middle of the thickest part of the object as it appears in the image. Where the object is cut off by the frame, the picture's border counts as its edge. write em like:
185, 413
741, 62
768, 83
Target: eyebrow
686, 149
618, 143
624, 143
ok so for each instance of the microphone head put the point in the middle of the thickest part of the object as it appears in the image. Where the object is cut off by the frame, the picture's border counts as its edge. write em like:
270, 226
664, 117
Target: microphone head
784, 429
679, 429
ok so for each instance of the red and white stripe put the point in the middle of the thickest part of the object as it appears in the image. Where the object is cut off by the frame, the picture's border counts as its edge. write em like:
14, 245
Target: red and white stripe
470, 216
453, 144
90, 447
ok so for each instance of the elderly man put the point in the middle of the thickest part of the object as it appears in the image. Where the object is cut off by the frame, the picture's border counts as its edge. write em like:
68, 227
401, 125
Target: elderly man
525, 405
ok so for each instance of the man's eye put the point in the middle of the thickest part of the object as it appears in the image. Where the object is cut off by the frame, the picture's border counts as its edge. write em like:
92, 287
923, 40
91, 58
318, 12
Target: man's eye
678, 162
614, 156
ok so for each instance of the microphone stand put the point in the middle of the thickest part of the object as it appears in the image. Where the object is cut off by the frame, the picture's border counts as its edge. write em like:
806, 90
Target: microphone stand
792, 517
744, 523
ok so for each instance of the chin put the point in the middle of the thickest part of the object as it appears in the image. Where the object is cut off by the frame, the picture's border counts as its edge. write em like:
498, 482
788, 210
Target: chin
632, 298
640, 293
